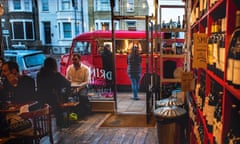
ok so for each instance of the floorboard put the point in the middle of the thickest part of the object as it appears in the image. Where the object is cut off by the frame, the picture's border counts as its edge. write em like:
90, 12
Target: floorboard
88, 131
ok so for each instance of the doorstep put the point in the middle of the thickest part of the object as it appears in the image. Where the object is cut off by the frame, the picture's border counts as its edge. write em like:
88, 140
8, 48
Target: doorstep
102, 106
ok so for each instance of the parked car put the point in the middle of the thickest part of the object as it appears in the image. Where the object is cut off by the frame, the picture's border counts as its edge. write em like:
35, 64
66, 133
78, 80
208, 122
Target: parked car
29, 61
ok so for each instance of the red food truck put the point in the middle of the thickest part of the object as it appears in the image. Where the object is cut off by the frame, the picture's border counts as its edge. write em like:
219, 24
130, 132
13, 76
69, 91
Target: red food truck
90, 46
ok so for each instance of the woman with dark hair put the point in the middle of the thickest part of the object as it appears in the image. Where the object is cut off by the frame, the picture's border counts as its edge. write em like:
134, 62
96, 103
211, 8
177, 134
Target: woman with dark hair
134, 70
50, 84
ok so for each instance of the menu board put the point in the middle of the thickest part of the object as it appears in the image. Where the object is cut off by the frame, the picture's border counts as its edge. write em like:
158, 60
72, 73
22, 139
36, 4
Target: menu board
200, 50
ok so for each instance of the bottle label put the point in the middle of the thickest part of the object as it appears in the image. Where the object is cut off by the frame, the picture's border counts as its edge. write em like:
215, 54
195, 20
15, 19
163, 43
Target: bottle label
230, 69
222, 58
236, 72
215, 52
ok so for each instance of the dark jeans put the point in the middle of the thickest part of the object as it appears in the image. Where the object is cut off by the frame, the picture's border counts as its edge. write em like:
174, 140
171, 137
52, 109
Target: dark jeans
84, 107
135, 80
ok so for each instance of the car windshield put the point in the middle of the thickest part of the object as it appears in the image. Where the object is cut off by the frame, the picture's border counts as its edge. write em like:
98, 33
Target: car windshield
34, 60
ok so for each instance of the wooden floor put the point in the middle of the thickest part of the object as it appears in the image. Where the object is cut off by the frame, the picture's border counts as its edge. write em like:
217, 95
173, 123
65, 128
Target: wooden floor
88, 131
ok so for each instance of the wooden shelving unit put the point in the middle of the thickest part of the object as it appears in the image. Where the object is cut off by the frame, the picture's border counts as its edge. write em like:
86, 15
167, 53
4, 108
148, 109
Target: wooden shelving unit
168, 42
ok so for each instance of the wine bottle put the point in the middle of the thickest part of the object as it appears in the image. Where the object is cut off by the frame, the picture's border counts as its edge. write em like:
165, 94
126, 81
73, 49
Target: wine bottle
217, 127
221, 55
163, 24
236, 64
210, 54
183, 22
233, 135
229, 66
215, 46
178, 22
234, 53
232, 49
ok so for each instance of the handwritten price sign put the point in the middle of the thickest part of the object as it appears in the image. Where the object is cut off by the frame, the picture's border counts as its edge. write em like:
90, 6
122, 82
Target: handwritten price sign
200, 50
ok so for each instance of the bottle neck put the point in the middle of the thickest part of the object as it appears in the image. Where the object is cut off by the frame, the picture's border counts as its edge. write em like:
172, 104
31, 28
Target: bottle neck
237, 19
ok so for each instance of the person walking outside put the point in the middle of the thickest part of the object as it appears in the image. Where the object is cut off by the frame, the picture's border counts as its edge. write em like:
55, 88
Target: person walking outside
134, 70
107, 63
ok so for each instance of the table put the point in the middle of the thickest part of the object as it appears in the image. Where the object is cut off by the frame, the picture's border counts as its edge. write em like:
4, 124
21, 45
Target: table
15, 107
6, 139
76, 85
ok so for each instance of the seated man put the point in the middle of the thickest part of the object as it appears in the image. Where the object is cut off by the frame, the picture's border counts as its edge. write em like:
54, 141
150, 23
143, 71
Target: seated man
78, 74
17, 88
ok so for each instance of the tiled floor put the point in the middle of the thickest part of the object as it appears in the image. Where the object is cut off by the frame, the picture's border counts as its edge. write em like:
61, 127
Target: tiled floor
126, 104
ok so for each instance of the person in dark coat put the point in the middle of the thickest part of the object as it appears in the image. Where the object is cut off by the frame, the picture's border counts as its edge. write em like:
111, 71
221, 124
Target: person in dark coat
107, 63
134, 70
50, 87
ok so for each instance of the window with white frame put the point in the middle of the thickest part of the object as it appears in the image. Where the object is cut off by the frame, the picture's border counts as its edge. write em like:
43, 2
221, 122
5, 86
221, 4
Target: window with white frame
130, 5
22, 29
131, 25
105, 25
18, 5
27, 5
45, 6
67, 30
66, 5
103, 5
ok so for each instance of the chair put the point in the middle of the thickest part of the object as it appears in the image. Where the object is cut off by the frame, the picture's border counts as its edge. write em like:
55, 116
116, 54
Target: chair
42, 125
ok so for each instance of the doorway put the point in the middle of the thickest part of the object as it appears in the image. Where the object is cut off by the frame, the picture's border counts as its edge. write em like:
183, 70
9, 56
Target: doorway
127, 105
47, 32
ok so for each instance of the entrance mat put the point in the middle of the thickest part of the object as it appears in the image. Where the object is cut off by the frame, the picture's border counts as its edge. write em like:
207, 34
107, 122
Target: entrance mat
127, 120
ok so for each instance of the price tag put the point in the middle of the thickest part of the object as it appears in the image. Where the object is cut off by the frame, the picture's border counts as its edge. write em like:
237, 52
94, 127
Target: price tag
200, 42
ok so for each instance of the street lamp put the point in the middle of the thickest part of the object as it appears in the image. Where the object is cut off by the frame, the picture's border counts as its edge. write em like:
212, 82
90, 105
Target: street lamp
1, 13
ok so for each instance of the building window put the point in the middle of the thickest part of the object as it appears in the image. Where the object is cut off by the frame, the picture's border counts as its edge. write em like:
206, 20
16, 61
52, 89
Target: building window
130, 5
22, 30
45, 6
16, 4
67, 30
65, 5
105, 26
29, 30
19, 6
75, 3
131, 25
27, 5
103, 5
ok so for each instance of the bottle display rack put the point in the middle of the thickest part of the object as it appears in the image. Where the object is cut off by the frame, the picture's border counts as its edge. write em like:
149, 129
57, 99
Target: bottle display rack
215, 103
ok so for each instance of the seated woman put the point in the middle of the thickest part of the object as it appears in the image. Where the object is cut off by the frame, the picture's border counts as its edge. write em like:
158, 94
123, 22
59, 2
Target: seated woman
50, 85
